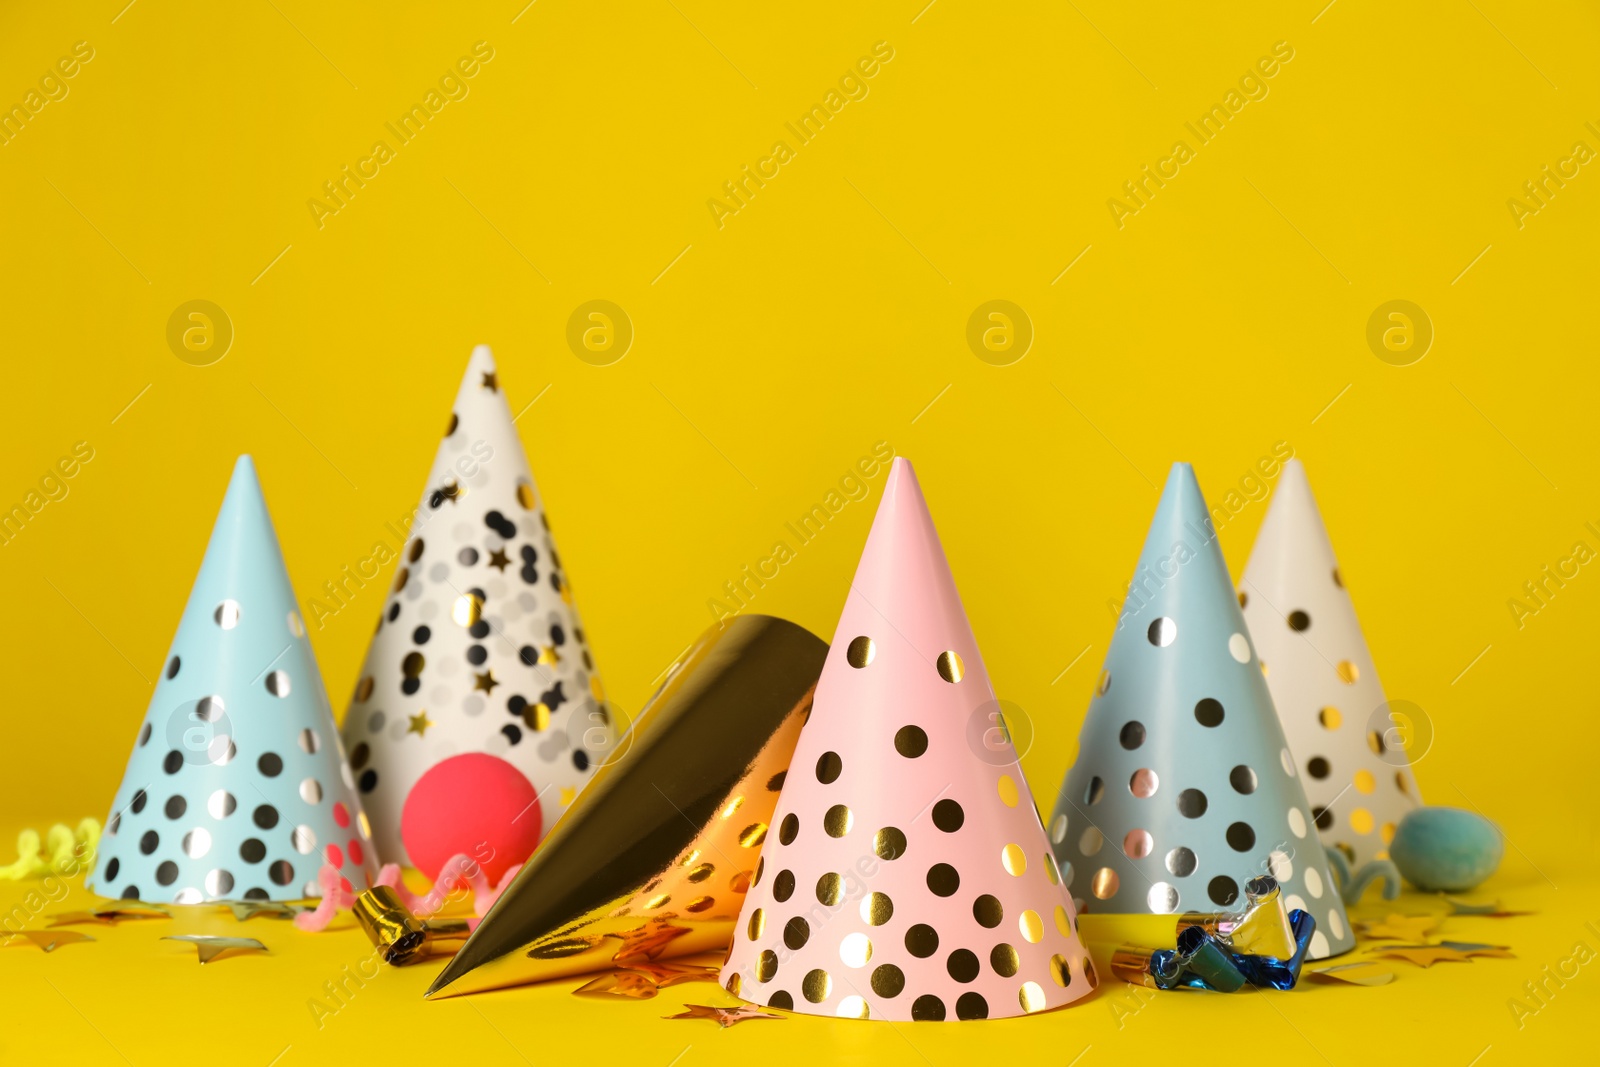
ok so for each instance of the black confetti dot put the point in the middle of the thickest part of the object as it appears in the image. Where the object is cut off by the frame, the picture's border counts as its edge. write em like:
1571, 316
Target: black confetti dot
1132, 735
421, 634
987, 910
139, 800
948, 816
796, 932
783, 886
368, 780
1003, 958
417, 548
266, 816
927, 1009
911, 741
467, 556
962, 965
1241, 837
281, 872
410, 686
580, 759
1191, 803
788, 828
528, 655
1243, 779
112, 868
477, 655
359, 756
781, 999
555, 581
558, 636
172, 667
943, 880
530, 573
972, 1006
455, 420
1317, 767
1222, 890
1299, 621
176, 806
529, 554
512, 731
144, 735
515, 704
1208, 712
252, 850
479, 630
167, 873
149, 842
394, 611
922, 941
829, 765
256, 893
173, 763
131, 893
270, 764
1323, 817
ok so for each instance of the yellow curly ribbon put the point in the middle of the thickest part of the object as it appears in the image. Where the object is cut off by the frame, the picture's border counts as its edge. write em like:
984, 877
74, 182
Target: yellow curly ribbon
60, 848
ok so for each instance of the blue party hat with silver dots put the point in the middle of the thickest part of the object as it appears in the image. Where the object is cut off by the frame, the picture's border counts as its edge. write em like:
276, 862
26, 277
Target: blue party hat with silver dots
1184, 788
237, 787
479, 646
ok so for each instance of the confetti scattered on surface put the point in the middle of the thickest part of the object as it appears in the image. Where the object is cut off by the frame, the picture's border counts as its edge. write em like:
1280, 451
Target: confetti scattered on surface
47, 940
111, 914
271, 909
1363, 973
1492, 910
1448, 952
1399, 927
724, 1017
630, 985
211, 946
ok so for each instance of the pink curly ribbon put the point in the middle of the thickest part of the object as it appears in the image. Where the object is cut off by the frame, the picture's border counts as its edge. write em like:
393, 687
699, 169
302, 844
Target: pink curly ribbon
338, 894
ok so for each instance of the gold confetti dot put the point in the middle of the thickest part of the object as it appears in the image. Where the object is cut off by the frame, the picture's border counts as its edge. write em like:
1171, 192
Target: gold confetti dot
1031, 997
951, 669
364, 690
830, 889
525, 495
1375, 742
1104, 884
1330, 718
1003, 958
1364, 782
1032, 926
1014, 860
766, 965
1388, 832
1058, 970
1063, 924
888, 980
816, 986
889, 843
860, 652
876, 909
1008, 791
699, 904
734, 983
758, 924
702, 872
657, 901
1349, 673
1401, 783
853, 1007
855, 950
753, 835
1361, 821
732, 806
467, 610
838, 820
1050, 870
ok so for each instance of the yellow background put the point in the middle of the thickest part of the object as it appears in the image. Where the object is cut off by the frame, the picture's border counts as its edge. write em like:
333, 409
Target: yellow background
772, 353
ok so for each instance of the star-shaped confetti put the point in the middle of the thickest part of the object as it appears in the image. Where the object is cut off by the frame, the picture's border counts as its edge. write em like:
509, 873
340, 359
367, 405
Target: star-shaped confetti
499, 560
419, 723
484, 682
1444, 952
1491, 910
211, 946
452, 492
1364, 973
630, 985
725, 1017
1400, 927
548, 657
490, 382
250, 909
645, 942
111, 914
48, 940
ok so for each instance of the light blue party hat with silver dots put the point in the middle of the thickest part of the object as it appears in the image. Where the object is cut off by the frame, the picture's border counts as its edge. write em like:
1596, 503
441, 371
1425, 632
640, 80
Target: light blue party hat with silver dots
238, 786
1184, 787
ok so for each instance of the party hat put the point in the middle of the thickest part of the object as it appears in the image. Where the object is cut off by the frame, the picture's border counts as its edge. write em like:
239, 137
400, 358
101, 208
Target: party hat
237, 786
478, 650
1184, 788
1341, 728
909, 878
653, 858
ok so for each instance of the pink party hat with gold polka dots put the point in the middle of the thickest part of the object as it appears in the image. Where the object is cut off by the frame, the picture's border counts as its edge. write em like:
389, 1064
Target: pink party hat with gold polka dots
1349, 739
907, 876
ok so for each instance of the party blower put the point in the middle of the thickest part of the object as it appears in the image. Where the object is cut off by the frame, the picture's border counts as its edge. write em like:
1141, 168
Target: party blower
909, 878
654, 858
1184, 787
236, 787
479, 656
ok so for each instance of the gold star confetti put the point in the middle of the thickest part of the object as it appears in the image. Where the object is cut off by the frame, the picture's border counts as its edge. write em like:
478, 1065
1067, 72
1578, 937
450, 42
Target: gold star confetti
1364, 973
490, 382
250, 909
1400, 927
1483, 911
630, 985
645, 942
111, 914
452, 492
548, 657
211, 946
419, 723
499, 560
485, 682
725, 1017
48, 940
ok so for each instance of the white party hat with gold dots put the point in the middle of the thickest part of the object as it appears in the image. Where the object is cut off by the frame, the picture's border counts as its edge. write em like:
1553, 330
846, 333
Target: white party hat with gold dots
908, 876
1184, 788
479, 648
1349, 740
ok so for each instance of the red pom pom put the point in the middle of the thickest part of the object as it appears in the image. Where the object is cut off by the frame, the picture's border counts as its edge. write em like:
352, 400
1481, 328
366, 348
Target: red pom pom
475, 804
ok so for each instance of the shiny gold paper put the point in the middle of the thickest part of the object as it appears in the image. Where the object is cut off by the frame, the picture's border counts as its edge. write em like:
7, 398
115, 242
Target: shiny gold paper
1261, 929
654, 858
398, 934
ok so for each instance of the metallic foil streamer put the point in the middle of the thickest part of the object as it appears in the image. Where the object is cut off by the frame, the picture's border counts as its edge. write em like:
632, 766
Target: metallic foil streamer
1260, 929
655, 857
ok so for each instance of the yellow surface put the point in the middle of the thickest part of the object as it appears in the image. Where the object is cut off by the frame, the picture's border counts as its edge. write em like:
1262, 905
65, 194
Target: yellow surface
770, 353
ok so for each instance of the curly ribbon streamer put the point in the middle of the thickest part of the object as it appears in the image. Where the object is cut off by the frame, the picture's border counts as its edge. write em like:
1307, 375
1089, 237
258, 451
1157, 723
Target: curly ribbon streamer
458, 870
1351, 887
61, 847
